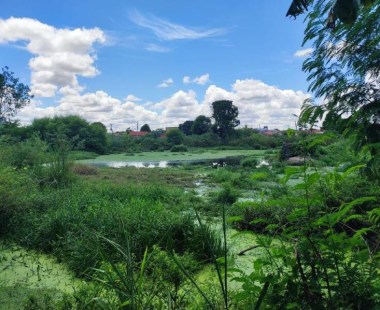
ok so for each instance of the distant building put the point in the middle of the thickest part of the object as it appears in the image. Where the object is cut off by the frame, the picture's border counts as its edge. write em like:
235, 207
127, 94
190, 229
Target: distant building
271, 132
137, 133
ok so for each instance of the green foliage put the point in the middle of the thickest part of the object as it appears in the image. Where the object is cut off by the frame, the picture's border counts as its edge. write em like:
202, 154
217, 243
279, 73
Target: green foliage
343, 69
257, 141
249, 162
145, 128
225, 116
13, 95
64, 220
84, 169
80, 134
325, 258
227, 195
78, 155
15, 189
174, 136
186, 127
31, 153
207, 140
178, 148
201, 125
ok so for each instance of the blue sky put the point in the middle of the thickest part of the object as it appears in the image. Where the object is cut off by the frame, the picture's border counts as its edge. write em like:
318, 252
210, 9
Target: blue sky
156, 62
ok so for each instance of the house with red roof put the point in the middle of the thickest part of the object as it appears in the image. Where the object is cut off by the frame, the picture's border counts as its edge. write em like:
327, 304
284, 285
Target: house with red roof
137, 133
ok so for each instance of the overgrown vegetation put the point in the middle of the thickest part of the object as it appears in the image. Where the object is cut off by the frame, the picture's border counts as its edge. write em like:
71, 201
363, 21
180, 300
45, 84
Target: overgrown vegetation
139, 238
134, 236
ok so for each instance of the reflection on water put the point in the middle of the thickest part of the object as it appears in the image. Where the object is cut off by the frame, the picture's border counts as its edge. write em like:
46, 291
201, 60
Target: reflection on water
136, 164
214, 163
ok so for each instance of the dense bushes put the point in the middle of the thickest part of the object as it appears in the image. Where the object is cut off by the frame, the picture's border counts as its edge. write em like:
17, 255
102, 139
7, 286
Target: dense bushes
68, 222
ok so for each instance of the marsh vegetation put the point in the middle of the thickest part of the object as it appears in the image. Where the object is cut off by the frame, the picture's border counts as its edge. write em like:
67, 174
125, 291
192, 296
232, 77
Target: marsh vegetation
255, 232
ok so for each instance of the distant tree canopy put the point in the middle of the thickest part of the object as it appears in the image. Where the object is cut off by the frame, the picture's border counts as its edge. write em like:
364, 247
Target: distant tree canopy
80, 134
145, 128
225, 116
186, 127
201, 125
13, 95
174, 136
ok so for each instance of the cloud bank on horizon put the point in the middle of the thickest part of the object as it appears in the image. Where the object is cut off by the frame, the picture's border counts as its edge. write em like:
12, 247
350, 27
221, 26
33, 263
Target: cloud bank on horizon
60, 56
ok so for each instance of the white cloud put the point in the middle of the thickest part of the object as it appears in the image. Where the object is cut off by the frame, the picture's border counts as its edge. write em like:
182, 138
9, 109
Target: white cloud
60, 54
303, 53
132, 98
200, 80
186, 79
157, 48
166, 30
166, 83
259, 105
178, 108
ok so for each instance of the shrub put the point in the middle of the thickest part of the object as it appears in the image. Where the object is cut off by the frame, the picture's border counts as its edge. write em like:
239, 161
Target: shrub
227, 195
84, 169
249, 162
15, 189
179, 148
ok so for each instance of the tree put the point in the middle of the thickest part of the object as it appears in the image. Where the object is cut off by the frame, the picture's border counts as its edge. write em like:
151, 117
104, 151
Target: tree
175, 136
78, 132
201, 125
97, 139
225, 115
13, 95
344, 70
145, 128
186, 127
346, 10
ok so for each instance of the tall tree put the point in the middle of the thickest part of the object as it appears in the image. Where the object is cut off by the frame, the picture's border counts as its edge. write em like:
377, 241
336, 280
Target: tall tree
13, 95
202, 124
225, 116
186, 127
145, 128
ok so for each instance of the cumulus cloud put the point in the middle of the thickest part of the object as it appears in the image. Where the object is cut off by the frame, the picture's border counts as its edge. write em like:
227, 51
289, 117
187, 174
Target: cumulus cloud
132, 98
303, 53
259, 105
200, 80
179, 107
166, 30
186, 79
60, 54
166, 83
94, 107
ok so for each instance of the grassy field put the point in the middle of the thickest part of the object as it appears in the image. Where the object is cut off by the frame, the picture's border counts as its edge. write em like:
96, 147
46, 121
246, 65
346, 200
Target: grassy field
170, 156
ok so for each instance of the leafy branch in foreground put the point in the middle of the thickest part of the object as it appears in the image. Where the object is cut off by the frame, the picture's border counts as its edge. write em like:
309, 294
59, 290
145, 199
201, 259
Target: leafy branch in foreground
343, 71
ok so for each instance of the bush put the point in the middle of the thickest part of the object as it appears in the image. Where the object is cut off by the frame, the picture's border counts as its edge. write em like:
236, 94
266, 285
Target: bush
227, 195
67, 221
84, 169
179, 148
249, 162
15, 189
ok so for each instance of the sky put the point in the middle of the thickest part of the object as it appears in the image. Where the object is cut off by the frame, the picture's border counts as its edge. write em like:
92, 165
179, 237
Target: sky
156, 62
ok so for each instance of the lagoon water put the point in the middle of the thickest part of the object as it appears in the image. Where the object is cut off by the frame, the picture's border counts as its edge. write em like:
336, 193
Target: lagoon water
136, 164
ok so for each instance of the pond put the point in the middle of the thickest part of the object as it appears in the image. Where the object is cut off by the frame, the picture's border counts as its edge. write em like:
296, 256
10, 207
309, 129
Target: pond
169, 159
25, 272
